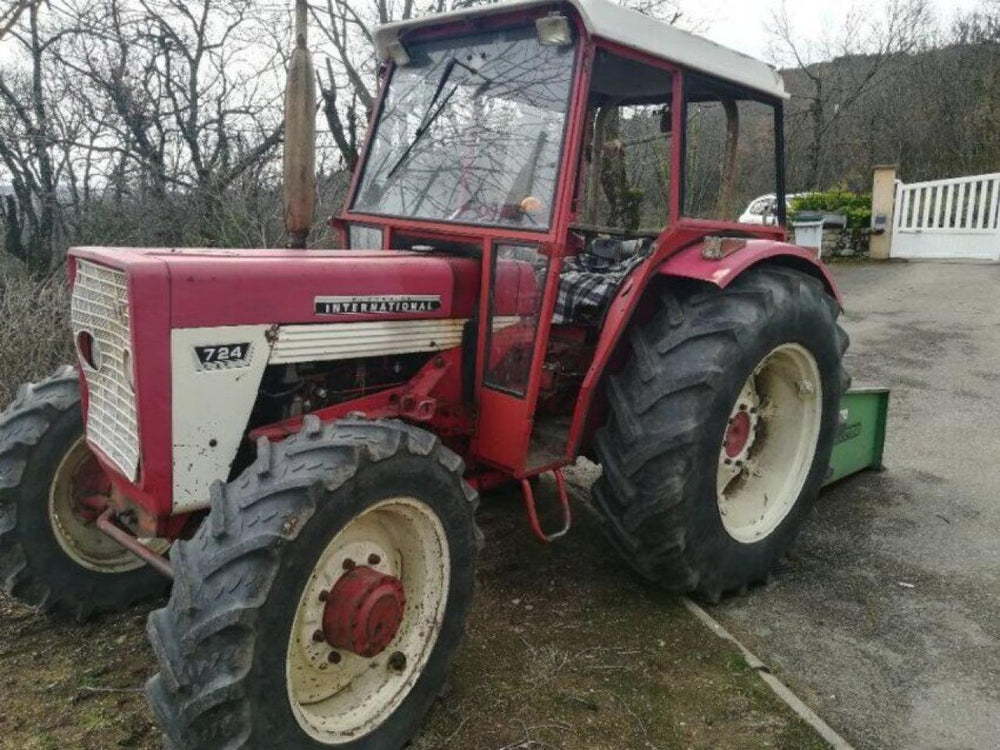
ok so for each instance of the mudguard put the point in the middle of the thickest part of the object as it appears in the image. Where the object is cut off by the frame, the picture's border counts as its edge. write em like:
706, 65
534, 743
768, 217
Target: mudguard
712, 260
720, 261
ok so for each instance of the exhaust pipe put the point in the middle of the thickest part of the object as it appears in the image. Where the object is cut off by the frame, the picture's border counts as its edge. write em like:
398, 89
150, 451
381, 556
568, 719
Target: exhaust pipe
300, 136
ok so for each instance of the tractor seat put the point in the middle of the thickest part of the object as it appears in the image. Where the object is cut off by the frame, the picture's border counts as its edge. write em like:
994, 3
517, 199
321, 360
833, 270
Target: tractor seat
589, 281
615, 248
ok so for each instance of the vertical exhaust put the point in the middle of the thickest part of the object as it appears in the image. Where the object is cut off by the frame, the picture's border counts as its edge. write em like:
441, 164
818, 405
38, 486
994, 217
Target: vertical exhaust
300, 136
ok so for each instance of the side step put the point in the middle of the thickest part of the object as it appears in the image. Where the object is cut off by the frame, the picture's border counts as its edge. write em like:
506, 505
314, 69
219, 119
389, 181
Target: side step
529, 504
860, 442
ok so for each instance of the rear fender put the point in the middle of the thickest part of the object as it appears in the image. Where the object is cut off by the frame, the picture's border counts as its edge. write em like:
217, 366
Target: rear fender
723, 261
706, 260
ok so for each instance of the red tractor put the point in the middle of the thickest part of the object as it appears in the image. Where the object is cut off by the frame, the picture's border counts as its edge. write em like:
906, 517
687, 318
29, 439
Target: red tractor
543, 262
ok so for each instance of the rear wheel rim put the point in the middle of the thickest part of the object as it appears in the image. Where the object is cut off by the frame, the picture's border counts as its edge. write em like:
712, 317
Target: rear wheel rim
80, 477
342, 698
769, 443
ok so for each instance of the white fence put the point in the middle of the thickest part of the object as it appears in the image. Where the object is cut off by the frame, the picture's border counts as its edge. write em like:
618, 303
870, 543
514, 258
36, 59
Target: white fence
950, 219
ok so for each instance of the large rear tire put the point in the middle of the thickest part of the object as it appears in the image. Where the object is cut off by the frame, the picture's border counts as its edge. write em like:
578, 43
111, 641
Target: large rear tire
51, 553
244, 646
721, 426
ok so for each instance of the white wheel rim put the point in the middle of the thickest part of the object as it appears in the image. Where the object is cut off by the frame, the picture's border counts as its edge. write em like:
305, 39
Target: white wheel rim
761, 477
339, 703
81, 540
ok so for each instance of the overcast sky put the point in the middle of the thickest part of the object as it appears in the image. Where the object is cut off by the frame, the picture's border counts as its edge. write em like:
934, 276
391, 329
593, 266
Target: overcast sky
742, 24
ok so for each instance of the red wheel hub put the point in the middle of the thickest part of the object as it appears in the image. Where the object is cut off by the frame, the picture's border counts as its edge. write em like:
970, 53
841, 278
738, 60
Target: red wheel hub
91, 489
363, 611
738, 434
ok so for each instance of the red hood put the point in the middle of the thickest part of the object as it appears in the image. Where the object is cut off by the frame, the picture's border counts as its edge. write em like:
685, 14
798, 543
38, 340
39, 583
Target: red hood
211, 287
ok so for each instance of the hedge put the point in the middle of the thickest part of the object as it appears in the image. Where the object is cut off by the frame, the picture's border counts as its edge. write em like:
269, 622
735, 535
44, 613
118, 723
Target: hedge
857, 207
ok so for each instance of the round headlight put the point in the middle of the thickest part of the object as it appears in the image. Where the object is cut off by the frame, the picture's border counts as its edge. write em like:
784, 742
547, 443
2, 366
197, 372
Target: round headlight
88, 350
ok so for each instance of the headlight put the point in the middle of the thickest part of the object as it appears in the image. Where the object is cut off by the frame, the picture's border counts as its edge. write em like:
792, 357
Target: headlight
88, 350
554, 30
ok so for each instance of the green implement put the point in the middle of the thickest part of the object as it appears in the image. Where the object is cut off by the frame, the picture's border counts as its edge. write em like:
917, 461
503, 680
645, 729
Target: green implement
861, 438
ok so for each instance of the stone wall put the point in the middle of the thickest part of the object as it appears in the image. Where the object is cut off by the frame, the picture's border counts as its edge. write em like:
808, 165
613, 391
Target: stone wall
842, 242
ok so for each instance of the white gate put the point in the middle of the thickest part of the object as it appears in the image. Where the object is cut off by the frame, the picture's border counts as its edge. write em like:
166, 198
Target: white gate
948, 219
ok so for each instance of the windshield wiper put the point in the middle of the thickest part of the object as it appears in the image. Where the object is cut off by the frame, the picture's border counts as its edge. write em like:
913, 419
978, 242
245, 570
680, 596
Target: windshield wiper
432, 114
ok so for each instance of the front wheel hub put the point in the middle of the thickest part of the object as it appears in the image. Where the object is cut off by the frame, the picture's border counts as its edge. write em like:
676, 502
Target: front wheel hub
363, 611
79, 492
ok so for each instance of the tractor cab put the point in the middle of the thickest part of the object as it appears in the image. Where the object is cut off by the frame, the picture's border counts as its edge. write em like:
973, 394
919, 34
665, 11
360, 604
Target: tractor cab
568, 147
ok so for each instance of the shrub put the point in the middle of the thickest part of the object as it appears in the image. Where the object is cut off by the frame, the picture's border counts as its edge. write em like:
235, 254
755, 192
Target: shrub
34, 337
857, 207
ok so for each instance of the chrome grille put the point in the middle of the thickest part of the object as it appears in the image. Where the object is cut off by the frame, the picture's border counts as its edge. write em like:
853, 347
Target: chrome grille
100, 307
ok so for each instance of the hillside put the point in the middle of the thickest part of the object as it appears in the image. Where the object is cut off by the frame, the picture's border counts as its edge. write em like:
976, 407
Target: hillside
935, 114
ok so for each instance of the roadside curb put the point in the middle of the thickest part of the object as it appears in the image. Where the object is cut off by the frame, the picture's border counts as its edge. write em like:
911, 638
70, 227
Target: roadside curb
780, 689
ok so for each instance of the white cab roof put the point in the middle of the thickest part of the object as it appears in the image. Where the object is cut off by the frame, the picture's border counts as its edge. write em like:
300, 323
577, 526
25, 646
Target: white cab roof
629, 28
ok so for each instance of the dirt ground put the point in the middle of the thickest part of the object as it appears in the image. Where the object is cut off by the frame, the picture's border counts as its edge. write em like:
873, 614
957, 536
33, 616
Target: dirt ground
565, 649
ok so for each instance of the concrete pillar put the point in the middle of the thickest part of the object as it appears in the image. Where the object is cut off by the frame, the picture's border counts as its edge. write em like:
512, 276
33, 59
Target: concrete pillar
883, 198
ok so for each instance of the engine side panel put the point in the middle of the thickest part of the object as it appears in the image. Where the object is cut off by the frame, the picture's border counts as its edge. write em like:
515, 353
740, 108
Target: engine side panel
215, 376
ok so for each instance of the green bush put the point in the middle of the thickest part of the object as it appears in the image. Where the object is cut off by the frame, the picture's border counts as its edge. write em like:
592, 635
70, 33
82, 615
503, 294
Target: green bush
857, 207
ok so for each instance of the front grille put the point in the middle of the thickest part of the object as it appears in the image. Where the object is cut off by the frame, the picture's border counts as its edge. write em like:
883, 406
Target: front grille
100, 307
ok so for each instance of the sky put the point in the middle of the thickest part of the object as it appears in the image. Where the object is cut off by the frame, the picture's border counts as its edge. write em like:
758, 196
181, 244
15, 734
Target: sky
742, 24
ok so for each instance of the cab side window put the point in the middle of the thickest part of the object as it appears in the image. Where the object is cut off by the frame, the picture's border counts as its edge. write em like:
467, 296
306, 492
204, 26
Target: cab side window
626, 168
730, 155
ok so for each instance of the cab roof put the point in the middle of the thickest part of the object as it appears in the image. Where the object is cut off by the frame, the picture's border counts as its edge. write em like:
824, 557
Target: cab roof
611, 22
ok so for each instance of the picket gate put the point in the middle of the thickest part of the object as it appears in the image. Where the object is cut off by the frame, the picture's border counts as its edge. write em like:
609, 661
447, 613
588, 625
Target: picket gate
953, 219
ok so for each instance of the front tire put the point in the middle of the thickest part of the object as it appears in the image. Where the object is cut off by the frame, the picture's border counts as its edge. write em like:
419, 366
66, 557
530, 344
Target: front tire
52, 555
243, 645
721, 429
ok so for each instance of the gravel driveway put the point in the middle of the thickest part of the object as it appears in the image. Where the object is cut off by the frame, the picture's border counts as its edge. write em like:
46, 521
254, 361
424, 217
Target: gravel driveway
887, 617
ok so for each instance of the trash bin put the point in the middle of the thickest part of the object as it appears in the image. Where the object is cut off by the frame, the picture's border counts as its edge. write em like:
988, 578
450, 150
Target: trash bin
809, 231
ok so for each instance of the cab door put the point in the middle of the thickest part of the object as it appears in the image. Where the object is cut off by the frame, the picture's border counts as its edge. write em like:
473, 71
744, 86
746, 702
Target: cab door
521, 289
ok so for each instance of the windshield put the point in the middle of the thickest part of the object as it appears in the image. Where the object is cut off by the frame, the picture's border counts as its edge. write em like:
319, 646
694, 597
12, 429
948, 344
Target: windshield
471, 131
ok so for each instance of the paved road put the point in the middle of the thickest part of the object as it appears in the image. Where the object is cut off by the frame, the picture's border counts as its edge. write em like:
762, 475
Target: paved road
890, 665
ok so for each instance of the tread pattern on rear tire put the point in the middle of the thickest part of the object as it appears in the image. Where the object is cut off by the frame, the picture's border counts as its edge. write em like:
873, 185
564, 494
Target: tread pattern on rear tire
649, 447
204, 638
35, 407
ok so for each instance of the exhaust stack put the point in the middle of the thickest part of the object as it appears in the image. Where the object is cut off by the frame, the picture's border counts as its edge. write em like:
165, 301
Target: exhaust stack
300, 136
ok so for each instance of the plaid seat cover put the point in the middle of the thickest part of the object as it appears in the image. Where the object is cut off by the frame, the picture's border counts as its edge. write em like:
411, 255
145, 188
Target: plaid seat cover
587, 284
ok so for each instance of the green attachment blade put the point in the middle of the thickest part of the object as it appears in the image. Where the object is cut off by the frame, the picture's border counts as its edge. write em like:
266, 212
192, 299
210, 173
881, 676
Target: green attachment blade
861, 437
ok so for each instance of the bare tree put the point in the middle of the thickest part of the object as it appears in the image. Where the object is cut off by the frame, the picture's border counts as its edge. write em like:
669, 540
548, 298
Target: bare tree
873, 44
979, 26
10, 17
351, 69
187, 96
29, 215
